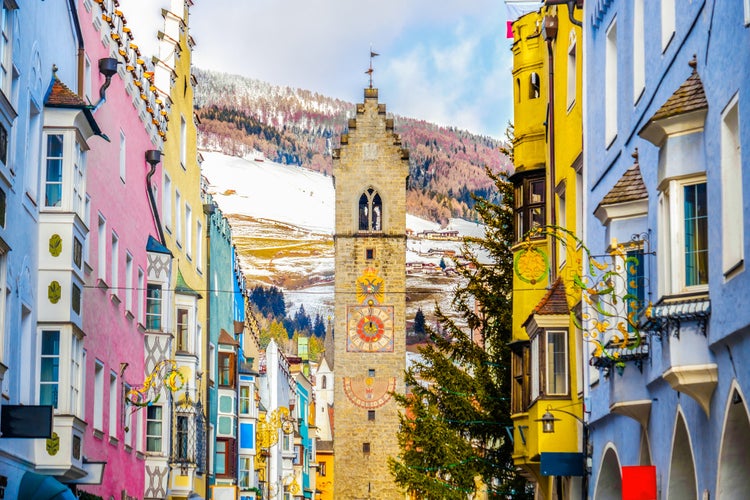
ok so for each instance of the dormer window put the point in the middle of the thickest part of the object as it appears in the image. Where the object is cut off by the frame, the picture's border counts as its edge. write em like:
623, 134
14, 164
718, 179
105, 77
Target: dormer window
370, 211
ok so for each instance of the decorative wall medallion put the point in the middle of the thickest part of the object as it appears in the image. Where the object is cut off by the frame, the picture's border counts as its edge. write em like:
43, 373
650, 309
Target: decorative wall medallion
369, 392
54, 292
55, 245
370, 286
53, 444
530, 264
369, 328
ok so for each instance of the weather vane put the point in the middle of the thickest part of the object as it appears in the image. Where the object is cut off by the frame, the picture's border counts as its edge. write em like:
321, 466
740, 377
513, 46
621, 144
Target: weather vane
370, 70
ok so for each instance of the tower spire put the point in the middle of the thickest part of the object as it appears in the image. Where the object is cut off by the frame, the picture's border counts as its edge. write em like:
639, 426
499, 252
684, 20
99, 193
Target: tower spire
370, 70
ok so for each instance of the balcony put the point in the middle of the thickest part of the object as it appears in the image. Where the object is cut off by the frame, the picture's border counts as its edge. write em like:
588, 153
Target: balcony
682, 323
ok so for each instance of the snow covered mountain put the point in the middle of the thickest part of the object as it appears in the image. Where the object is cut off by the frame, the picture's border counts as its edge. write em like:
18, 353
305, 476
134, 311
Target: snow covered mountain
282, 218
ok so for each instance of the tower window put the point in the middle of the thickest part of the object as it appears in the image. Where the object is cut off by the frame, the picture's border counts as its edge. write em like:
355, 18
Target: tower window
370, 253
534, 86
371, 415
370, 211
366, 448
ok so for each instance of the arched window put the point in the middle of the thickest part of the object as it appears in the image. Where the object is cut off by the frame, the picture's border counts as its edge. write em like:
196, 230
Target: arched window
370, 211
324, 382
534, 86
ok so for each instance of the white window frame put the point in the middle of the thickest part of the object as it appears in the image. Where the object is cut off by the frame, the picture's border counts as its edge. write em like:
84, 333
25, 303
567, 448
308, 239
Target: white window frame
115, 263
48, 184
161, 301
668, 22
245, 399
550, 363
123, 156
672, 238
6, 47
87, 77
747, 12
183, 142
128, 282
113, 400
34, 140
733, 217
151, 437
198, 245
534, 360
572, 76
610, 85
188, 231
127, 421
79, 180
141, 294
98, 396
3, 302
87, 222
57, 383
167, 202
101, 248
76, 376
178, 217
639, 51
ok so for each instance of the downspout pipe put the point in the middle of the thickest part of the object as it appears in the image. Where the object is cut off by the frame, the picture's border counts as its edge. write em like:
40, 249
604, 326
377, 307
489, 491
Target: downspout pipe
550, 33
153, 157
572, 4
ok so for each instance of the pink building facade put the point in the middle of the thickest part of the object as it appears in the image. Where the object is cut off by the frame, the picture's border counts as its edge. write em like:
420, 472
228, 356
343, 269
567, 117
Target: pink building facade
122, 224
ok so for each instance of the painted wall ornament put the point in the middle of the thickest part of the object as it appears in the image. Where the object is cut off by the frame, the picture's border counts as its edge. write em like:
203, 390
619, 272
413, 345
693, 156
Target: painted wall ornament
55, 245
369, 392
54, 292
370, 286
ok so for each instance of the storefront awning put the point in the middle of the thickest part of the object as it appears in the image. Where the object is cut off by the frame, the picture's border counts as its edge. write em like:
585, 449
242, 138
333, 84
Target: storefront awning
40, 487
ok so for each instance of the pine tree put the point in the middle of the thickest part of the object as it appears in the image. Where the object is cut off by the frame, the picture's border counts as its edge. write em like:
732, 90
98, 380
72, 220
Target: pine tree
419, 323
453, 431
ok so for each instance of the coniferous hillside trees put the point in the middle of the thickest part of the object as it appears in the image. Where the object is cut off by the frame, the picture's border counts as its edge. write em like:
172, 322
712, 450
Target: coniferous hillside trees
294, 126
453, 430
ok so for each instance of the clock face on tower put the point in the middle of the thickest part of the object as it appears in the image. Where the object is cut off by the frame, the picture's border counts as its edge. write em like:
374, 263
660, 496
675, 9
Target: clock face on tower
369, 328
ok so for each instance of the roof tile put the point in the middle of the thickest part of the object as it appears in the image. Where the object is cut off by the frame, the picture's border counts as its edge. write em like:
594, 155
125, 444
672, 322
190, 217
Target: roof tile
555, 301
61, 96
630, 187
689, 97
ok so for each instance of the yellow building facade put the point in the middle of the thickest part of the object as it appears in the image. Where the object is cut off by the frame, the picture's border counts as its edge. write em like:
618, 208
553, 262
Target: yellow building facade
185, 228
547, 346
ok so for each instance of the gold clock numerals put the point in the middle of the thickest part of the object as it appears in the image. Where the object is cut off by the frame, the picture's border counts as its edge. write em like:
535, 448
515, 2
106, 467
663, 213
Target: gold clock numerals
369, 328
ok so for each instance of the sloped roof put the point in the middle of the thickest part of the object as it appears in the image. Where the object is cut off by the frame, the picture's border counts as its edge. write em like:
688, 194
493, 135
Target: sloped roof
555, 300
183, 288
689, 97
239, 327
60, 96
226, 339
630, 187
153, 245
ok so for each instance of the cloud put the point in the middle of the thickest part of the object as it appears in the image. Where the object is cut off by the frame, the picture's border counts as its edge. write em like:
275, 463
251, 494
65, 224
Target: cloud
440, 60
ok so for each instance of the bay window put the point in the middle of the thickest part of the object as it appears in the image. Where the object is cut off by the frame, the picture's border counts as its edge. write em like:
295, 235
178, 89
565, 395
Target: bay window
226, 369
529, 201
683, 233
60, 370
53, 178
246, 468
182, 330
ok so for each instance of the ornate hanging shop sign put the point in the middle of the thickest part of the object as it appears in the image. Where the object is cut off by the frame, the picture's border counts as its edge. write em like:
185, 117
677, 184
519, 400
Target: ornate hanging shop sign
165, 374
611, 286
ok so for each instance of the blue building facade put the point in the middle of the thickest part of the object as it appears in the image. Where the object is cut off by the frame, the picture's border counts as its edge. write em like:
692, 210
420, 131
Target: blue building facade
667, 178
28, 51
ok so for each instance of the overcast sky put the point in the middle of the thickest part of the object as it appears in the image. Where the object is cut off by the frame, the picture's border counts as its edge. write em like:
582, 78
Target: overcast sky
444, 61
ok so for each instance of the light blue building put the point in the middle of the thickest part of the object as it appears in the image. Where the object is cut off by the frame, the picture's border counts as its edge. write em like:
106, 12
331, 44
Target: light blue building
667, 177
29, 47
222, 351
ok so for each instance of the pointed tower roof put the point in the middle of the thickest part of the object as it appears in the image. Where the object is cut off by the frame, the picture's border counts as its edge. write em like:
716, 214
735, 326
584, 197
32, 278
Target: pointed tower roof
183, 288
59, 95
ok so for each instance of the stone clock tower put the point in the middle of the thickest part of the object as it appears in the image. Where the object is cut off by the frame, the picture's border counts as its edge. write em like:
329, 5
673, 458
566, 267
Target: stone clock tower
370, 172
